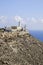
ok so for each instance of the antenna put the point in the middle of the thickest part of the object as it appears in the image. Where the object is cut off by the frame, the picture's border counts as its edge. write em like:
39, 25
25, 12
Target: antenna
25, 27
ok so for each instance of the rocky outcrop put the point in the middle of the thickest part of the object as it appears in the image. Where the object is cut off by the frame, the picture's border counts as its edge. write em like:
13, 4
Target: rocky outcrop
20, 48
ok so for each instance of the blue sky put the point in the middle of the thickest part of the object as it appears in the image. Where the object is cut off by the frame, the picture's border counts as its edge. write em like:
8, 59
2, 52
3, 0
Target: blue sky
29, 12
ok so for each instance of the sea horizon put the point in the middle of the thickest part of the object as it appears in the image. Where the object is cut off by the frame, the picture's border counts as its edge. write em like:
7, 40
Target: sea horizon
37, 34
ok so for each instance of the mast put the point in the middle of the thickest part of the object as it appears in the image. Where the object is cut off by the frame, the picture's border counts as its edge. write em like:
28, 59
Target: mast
25, 27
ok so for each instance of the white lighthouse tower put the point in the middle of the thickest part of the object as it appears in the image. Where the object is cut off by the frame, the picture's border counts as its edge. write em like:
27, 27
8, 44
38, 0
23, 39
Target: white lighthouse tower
19, 24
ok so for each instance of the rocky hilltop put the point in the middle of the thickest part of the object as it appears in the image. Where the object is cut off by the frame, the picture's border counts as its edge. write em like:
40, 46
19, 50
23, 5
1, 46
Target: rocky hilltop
20, 48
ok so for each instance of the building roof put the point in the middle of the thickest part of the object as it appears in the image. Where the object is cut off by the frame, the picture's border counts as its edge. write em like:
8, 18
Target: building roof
14, 27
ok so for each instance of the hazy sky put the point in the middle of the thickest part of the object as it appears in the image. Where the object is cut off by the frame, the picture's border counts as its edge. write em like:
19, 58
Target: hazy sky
29, 12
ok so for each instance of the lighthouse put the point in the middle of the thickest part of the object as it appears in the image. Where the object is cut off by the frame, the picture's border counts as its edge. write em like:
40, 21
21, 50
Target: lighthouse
19, 24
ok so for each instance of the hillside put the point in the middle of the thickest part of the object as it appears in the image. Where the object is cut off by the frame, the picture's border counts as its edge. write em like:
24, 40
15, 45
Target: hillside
20, 48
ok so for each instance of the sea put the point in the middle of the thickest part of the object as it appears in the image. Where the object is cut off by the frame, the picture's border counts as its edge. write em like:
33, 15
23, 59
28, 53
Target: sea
37, 34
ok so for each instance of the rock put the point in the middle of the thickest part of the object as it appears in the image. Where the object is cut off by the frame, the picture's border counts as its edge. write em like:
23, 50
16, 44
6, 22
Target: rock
20, 48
